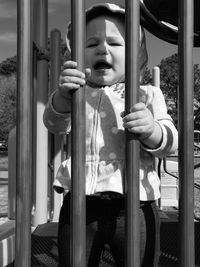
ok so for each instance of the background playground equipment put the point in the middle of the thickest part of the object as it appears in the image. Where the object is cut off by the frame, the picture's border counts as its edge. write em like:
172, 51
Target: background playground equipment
37, 151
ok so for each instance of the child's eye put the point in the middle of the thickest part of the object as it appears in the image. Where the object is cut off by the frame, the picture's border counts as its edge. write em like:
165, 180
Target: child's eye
115, 44
91, 45
115, 41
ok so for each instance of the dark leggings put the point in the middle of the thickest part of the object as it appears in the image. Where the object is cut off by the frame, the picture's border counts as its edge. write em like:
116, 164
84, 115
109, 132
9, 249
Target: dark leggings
105, 222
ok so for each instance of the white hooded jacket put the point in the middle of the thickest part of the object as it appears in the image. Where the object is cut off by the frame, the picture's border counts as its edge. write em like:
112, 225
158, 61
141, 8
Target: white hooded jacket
105, 140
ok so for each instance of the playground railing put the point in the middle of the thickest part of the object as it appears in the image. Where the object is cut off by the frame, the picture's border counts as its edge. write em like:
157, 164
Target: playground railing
26, 146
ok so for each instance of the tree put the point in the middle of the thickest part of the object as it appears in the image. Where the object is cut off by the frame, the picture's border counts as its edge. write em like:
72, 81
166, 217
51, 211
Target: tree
169, 84
8, 88
7, 104
8, 66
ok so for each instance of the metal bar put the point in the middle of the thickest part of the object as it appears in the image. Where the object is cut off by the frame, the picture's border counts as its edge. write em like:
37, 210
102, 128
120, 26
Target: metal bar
41, 179
156, 76
156, 82
57, 139
78, 218
12, 174
132, 146
186, 133
55, 62
24, 134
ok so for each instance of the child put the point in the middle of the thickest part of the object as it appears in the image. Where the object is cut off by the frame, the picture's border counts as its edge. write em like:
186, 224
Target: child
104, 79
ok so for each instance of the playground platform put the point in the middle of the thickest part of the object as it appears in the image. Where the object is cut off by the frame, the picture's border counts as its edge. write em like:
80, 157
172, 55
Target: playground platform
44, 243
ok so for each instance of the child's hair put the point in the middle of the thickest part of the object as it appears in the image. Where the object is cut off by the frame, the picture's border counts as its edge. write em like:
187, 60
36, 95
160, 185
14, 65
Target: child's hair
118, 11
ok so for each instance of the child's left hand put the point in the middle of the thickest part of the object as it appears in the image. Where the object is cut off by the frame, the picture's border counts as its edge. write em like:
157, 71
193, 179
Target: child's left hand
139, 121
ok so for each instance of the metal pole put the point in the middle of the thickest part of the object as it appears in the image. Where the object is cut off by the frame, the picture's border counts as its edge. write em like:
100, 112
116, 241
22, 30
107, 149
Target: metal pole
24, 134
55, 61
54, 79
156, 76
41, 179
78, 218
156, 82
186, 133
132, 146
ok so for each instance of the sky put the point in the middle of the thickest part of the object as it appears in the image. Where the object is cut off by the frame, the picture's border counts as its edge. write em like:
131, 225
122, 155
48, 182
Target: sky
58, 17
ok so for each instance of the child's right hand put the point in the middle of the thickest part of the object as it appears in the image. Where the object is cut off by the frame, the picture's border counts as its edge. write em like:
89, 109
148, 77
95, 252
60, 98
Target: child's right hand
71, 78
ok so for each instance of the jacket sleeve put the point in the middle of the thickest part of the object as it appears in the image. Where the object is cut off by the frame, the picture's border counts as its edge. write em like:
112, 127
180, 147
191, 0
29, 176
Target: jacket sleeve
157, 105
56, 123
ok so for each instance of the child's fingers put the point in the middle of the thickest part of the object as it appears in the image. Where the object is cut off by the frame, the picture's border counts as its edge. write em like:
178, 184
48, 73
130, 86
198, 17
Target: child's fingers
136, 115
71, 79
70, 83
70, 69
66, 89
138, 106
87, 73
135, 108
70, 64
72, 72
140, 127
133, 121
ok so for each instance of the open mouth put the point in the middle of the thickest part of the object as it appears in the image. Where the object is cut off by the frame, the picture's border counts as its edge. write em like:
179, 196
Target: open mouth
102, 65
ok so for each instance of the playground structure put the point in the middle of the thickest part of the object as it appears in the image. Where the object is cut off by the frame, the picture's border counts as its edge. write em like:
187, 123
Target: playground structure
37, 154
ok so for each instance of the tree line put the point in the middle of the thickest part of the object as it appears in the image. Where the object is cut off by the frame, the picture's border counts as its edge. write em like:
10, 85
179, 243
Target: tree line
8, 98
168, 77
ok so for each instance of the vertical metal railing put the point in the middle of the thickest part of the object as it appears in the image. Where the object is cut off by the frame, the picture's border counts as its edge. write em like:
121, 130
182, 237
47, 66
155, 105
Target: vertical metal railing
156, 82
41, 133
56, 141
186, 133
156, 76
25, 130
24, 134
132, 146
78, 210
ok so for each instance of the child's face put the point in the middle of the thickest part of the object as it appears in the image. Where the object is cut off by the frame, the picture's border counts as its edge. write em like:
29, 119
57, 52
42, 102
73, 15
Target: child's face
105, 50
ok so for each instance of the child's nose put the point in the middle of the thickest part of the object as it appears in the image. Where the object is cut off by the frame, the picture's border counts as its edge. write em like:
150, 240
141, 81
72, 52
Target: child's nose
102, 49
